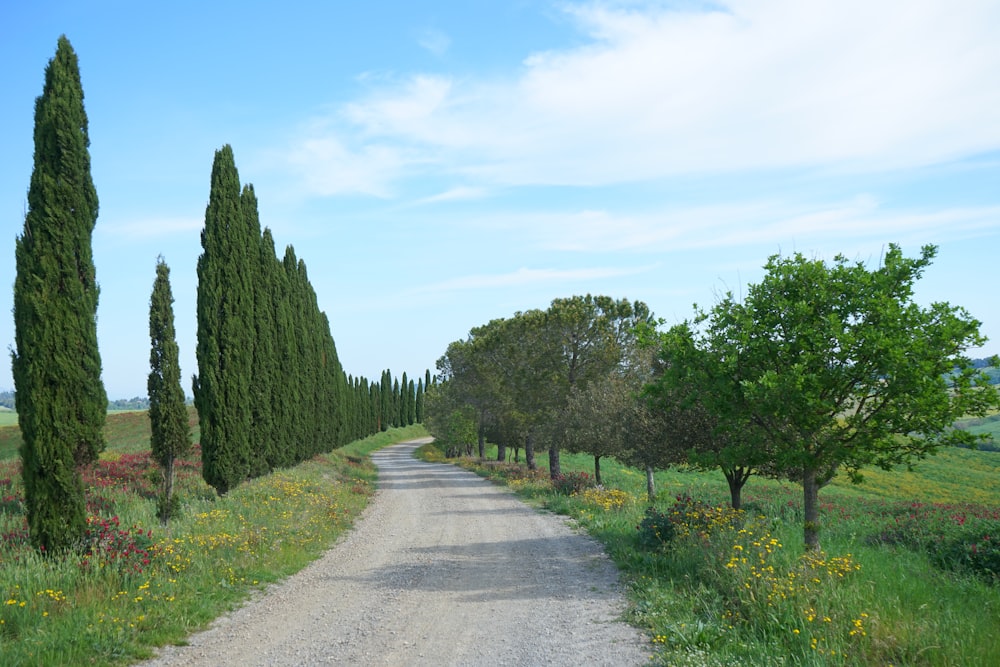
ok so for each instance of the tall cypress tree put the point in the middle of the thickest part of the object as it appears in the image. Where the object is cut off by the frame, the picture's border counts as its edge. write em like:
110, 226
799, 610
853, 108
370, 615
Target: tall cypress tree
226, 269
418, 407
411, 403
56, 364
262, 381
170, 436
405, 401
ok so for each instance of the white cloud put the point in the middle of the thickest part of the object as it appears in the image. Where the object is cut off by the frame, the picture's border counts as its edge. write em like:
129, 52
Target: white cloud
526, 276
654, 92
435, 41
459, 193
739, 224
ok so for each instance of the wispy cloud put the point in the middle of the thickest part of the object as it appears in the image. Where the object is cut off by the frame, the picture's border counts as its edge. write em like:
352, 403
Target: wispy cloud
460, 193
758, 223
526, 276
435, 41
148, 228
655, 91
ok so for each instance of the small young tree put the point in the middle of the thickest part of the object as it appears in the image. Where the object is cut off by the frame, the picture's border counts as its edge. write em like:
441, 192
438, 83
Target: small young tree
694, 386
170, 436
56, 364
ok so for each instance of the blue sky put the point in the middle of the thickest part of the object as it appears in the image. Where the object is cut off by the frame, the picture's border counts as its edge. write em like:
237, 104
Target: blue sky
441, 164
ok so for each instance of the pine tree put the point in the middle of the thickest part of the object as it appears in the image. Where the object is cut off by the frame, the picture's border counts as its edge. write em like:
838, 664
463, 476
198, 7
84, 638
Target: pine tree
225, 330
170, 435
56, 363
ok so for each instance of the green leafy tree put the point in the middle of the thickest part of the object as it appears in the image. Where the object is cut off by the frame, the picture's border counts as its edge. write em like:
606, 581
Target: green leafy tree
226, 270
170, 434
841, 369
586, 338
450, 420
693, 390
56, 362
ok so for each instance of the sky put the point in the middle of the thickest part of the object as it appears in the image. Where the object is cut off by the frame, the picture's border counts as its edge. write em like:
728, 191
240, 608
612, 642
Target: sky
441, 164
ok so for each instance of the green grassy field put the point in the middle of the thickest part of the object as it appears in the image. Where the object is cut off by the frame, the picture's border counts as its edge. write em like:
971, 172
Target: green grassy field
899, 581
138, 584
905, 577
7, 417
125, 431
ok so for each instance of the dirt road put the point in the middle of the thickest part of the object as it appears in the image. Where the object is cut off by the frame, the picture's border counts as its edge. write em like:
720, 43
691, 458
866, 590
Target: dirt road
443, 568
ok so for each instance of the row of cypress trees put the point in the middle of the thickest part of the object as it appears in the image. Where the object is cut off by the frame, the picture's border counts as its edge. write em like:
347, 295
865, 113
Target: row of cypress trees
388, 403
270, 391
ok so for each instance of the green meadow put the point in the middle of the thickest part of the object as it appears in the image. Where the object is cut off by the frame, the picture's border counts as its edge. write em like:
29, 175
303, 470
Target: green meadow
136, 584
908, 574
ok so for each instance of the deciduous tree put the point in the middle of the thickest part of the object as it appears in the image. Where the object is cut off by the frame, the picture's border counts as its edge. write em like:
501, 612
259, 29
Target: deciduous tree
841, 368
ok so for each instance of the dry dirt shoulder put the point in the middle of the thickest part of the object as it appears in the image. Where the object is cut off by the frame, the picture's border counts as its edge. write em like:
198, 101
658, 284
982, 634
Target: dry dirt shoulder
443, 568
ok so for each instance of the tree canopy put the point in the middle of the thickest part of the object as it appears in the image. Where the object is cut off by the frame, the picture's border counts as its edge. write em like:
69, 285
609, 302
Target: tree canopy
837, 368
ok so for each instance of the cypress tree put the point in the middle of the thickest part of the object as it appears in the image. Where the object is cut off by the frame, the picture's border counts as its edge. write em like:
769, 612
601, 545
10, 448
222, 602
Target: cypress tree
405, 402
397, 401
264, 370
56, 364
170, 436
419, 402
225, 331
411, 404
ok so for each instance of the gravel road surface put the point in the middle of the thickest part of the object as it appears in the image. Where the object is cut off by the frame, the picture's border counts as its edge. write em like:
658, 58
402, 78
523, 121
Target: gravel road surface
443, 568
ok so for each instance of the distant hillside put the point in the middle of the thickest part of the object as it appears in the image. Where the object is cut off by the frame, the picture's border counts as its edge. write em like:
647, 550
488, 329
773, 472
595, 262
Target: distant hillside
134, 403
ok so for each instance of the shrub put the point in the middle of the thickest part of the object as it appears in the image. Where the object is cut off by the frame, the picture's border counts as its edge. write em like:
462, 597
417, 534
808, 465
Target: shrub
572, 482
976, 550
656, 530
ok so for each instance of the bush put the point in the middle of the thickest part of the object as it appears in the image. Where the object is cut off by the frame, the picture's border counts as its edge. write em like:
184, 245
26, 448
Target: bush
656, 530
976, 550
572, 482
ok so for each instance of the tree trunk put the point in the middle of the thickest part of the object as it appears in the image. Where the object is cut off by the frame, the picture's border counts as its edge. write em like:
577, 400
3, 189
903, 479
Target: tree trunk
554, 469
650, 485
810, 488
482, 442
597, 470
736, 478
501, 452
168, 490
529, 451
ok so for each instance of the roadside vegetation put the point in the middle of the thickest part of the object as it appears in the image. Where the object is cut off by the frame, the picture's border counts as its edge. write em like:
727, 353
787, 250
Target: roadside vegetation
909, 573
134, 584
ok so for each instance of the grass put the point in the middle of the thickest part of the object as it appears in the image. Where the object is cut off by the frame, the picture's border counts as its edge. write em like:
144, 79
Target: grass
138, 585
125, 431
906, 576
